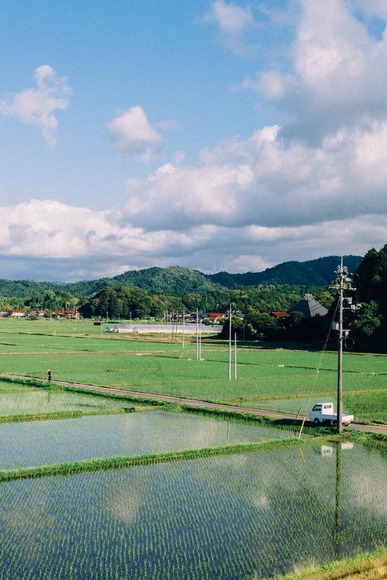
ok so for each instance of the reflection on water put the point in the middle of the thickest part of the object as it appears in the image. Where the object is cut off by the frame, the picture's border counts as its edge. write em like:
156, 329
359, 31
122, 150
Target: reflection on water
29, 402
45, 442
222, 517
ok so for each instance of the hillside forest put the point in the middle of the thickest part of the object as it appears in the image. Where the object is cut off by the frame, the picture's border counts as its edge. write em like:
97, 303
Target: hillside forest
160, 293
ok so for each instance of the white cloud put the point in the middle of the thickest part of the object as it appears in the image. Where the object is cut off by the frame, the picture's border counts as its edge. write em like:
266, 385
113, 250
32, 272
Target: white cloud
311, 188
316, 184
50, 229
333, 73
132, 134
267, 181
372, 8
48, 240
232, 19
37, 106
234, 23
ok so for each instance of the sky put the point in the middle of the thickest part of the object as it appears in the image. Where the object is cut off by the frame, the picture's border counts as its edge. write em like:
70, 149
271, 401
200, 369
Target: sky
212, 134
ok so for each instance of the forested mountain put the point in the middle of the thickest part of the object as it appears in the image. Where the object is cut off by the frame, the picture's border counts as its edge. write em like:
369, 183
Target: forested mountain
179, 280
155, 292
25, 288
318, 272
175, 280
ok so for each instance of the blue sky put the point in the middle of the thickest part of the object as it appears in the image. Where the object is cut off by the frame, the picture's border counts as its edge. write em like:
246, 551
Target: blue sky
211, 134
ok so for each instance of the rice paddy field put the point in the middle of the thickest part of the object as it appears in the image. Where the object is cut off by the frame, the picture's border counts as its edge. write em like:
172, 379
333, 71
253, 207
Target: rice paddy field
232, 516
190, 496
270, 378
34, 443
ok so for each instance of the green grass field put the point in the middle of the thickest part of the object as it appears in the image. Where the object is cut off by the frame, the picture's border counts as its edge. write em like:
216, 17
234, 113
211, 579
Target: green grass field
275, 378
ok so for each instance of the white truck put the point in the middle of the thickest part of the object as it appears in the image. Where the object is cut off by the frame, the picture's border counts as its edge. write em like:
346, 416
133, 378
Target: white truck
324, 413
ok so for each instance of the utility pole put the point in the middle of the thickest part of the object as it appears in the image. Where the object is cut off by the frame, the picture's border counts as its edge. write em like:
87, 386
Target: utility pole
198, 338
235, 355
339, 406
229, 343
183, 336
344, 283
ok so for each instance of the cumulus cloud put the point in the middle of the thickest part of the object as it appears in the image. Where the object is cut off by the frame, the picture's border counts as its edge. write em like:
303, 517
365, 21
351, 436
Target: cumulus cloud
234, 23
372, 8
312, 187
317, 182
38, 106
71, 243
133, 135
48, 240
267, 181
333, 75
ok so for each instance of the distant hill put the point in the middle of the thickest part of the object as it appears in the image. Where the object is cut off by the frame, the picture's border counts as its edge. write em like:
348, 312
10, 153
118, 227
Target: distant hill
175, 279
319, 272
172, 280
180, 280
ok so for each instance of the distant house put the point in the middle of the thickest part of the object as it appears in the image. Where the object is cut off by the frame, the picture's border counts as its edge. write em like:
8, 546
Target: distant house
58, 313
71, 314
279, 314
216, 317
309, 307
17, 314
66, 313
37, 313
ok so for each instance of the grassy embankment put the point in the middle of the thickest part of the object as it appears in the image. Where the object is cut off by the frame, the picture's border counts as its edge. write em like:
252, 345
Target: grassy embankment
99, 464
371, 566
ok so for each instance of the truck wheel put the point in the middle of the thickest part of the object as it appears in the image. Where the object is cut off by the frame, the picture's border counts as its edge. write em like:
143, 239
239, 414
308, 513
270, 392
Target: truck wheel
316, 421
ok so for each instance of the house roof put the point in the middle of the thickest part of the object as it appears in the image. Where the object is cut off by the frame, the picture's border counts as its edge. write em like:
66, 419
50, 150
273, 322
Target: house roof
216, 315
279, 314
309, 307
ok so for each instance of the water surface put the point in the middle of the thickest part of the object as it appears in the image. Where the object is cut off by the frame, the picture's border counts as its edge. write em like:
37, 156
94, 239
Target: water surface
56, 441
227, 517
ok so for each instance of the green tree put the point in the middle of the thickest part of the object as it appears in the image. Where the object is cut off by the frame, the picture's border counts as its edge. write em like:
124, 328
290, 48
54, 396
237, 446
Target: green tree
368, 319
371, 320
121, 302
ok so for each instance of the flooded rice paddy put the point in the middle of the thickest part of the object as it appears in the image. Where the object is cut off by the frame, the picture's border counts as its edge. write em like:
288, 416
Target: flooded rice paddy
230, 516
44, 442
234, 516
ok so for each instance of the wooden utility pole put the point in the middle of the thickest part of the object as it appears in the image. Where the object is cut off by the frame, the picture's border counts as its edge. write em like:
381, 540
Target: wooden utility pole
229, 343
339, 406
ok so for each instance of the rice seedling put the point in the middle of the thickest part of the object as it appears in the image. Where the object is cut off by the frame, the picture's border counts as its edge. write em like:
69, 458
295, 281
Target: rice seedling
29, 444
232, 516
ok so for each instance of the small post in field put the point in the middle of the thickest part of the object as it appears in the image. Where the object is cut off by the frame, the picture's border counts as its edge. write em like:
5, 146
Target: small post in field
302, 426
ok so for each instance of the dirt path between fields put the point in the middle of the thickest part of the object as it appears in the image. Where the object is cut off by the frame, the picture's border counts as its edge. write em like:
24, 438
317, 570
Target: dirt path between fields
382, 429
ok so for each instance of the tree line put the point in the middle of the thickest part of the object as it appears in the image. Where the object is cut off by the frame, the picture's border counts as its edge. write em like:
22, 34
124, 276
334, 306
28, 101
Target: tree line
252, 305
125, 302
366, 322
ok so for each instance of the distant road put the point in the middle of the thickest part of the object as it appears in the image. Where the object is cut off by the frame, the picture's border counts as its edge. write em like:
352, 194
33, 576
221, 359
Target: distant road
382, 429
